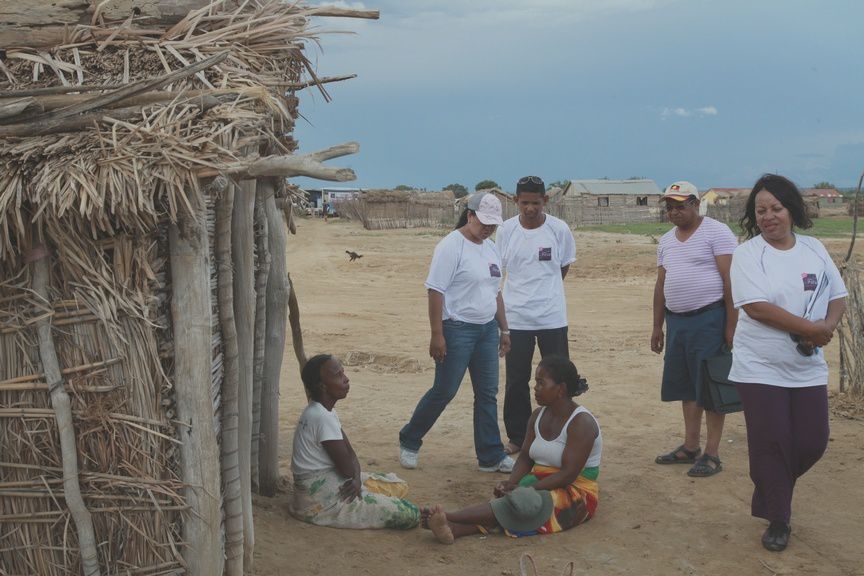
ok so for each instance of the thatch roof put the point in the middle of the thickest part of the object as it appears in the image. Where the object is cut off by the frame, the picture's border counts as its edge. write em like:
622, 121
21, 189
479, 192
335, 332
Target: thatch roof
130, 165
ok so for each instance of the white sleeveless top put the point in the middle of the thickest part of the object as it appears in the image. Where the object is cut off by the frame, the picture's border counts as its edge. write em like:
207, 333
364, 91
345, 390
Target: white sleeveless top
548, 453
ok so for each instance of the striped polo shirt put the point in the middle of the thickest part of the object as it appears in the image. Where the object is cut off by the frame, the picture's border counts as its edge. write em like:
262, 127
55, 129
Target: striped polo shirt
692, 278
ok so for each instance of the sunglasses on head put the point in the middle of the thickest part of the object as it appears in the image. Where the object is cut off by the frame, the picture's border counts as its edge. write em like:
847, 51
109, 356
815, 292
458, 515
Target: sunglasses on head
529, 179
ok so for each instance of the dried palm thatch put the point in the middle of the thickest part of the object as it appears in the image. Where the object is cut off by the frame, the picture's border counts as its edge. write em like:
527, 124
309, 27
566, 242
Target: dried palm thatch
106, 138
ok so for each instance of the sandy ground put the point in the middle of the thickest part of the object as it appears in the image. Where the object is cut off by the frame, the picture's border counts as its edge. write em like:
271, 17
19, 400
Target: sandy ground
651, 520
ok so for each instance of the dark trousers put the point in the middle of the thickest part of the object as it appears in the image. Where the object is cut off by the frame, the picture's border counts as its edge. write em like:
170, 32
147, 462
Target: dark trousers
517, 393
787, 433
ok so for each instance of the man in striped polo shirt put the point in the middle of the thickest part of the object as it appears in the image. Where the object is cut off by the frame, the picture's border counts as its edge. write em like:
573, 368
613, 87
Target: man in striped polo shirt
693, 296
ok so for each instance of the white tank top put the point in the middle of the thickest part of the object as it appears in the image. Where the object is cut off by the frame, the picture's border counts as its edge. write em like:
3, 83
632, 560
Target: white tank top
548, 453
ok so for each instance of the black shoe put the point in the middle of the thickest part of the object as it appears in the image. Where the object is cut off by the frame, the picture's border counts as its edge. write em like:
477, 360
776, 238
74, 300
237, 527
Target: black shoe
776, 537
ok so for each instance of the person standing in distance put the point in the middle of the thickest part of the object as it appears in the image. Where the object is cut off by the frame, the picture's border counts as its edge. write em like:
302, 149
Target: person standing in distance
693, 295
536, 252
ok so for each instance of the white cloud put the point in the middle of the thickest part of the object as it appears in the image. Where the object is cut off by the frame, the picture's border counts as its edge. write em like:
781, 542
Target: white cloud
686, 112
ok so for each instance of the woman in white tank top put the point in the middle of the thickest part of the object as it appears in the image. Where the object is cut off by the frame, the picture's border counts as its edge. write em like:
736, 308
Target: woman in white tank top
553, 486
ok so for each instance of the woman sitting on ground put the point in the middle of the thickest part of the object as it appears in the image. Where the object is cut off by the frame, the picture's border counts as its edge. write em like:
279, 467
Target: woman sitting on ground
329, 489
553, 486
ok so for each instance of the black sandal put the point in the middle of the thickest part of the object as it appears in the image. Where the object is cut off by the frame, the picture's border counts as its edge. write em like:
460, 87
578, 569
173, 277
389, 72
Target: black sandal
674, 458
703, 468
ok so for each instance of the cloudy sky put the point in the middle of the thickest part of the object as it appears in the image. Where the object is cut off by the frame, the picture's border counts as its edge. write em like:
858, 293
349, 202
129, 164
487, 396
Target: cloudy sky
713, 91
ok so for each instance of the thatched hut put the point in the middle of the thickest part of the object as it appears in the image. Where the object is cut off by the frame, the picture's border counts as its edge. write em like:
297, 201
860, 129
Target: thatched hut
384, 209
145, 146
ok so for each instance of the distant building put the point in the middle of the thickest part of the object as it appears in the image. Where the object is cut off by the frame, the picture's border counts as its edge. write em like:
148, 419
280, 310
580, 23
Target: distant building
723, 196
592, 202
826, 196
318, 196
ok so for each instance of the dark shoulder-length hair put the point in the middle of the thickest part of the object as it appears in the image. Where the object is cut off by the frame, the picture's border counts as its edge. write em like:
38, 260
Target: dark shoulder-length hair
463, 218
783, 190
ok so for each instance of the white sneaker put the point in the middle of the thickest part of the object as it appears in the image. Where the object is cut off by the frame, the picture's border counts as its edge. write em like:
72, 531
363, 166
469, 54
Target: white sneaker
408, 459
505, 465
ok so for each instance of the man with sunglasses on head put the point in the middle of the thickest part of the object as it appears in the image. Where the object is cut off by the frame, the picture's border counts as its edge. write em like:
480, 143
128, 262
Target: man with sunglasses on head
693, 296
536, 252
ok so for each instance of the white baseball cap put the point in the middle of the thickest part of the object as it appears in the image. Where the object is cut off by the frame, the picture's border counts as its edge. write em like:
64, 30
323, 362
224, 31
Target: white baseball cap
680, 191
487, 207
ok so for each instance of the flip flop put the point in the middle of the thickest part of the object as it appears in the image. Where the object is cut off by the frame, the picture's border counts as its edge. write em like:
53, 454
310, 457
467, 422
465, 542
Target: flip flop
674, 458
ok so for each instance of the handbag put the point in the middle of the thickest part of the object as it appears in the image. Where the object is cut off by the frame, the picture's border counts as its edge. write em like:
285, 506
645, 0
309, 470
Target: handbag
718, 392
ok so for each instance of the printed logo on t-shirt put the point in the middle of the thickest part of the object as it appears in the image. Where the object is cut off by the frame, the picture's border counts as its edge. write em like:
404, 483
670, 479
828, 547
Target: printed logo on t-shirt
494, 271
810, 281
545, 254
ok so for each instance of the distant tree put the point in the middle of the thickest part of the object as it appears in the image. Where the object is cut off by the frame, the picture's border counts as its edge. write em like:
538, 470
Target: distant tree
824, 186
486, 184
404, 187
458, 190
557, 184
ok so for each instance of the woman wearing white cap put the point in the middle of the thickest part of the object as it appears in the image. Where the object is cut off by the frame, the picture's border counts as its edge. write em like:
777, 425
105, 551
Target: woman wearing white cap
469, 332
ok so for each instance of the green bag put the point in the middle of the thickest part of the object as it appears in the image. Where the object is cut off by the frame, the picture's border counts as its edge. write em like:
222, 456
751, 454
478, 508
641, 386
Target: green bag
718, 392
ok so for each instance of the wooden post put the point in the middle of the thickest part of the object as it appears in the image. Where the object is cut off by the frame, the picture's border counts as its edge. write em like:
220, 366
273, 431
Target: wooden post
274, 347
231, 469
261, 275
35, 23
242, 247
199, 452
63, 414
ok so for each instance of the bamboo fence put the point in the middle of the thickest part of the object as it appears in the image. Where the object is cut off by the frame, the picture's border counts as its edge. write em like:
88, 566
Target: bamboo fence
131, 154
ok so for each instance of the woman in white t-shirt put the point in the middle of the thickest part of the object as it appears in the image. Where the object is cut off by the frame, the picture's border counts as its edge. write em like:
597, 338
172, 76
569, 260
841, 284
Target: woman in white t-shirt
792, 297
329, 488
469, 332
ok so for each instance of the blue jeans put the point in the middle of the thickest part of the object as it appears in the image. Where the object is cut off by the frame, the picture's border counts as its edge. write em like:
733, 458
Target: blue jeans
473, 347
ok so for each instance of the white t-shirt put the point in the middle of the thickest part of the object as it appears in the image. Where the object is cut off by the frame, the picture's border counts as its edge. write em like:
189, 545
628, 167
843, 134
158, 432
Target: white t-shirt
316, 425
533, 289
788, 279
469, 277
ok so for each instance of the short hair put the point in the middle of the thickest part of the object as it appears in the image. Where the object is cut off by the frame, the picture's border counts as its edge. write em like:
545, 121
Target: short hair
562, 370
786, 192
311, 375
530, 185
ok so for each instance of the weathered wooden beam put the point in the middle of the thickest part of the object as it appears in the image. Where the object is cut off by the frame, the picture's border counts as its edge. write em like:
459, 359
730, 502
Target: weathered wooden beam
38, 23
231, 468
274, 346
289, 166
242, 254
85, 121
199, 451
346, 13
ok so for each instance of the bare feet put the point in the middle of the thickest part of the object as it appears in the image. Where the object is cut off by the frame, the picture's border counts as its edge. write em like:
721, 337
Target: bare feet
425, 512
511, 448
439, 525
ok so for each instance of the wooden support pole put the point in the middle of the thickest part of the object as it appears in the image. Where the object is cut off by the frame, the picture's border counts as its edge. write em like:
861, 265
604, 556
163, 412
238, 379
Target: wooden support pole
231, 469
274, 347
199, 452
63, 414
242, 252
261, 274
